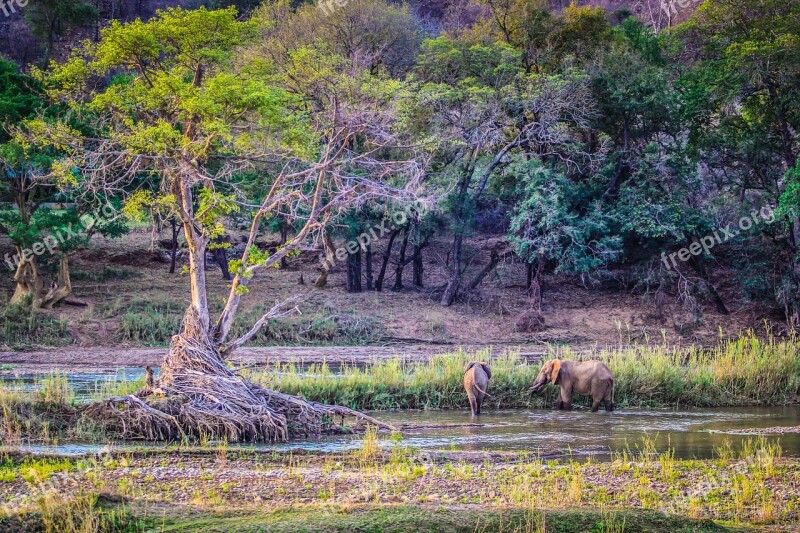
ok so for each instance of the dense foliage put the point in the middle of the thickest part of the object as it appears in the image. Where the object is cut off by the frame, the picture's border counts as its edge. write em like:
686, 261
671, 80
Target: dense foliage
605, 146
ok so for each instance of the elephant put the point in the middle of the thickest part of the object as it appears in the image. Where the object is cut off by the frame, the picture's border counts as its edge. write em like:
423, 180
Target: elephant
476, 381
591, 378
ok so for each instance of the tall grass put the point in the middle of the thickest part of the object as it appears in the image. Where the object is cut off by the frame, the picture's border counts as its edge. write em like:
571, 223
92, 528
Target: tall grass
23, 328
44, 414
746, 371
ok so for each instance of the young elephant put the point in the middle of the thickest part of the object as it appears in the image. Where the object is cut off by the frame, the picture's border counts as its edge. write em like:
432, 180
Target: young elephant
476, 380
592, 378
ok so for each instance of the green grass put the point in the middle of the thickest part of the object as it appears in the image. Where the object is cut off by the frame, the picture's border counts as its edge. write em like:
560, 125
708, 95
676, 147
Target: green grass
153, 323
402, 518
150, 323
22, 328
747, 371
326, 326
107, 273
83, 511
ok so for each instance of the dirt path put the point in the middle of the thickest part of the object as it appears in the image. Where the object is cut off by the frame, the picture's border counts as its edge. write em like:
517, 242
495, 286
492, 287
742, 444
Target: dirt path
74, 359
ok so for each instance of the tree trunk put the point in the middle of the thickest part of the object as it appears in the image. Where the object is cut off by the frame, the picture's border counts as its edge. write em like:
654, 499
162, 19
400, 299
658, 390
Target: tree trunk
459, 228
221, 258
387, 254
401, 263
174, 252
61, 288
368, 265
528, 277
494, 259
354, 271
28, 282
418, 266
284, 238
697, 264
454, 280
327, 261
220, 255
535, 284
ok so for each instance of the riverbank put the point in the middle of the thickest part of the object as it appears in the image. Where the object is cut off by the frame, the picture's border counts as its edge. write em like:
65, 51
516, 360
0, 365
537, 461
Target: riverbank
745, 372
647, 489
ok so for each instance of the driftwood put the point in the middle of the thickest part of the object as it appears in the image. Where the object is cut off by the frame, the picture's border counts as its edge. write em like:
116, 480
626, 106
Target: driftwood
197, 396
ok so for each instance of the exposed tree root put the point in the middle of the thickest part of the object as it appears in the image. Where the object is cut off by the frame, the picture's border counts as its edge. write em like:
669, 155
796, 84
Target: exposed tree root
197, 396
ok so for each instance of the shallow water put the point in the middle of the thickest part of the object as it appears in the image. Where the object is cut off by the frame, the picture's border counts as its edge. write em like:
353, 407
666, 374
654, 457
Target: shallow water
690, 433
85, 384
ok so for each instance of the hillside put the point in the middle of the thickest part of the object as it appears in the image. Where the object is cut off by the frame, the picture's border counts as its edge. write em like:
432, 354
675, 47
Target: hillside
22, 44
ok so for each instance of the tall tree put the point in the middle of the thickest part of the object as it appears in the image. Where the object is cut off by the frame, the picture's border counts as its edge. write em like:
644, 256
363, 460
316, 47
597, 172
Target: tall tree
181, 111
484, 108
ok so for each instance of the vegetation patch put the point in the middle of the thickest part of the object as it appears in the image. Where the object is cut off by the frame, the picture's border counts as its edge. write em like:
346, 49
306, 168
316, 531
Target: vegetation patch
107, 273
747, 371
23, 328
402, 518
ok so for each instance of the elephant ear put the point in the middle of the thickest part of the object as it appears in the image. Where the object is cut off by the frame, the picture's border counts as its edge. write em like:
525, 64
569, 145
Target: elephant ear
555, 373
470, 366
486, 369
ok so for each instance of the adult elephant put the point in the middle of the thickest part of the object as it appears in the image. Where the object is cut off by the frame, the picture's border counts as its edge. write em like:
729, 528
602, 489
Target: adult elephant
591, 378
476, 381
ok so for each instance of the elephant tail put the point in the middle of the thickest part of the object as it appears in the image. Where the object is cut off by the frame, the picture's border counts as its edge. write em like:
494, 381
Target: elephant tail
482, 391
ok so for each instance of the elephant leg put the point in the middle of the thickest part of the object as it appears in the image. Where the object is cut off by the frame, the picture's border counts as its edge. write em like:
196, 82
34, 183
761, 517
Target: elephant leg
478, 403
566, 398
473, 404
607, 401
595, 404
559, 404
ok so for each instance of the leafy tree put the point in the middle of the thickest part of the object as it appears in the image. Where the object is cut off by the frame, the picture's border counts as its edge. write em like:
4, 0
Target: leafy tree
19, 96
558, 221
747, 81
484, 109
383, 36
182, 112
